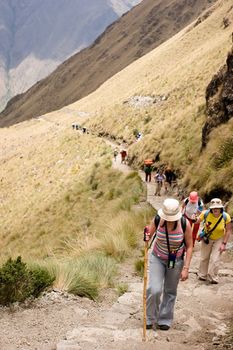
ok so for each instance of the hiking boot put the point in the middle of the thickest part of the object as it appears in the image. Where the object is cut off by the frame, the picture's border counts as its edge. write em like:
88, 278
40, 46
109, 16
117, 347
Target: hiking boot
202, 278
153, 326
213, 281
163, 327
149, 326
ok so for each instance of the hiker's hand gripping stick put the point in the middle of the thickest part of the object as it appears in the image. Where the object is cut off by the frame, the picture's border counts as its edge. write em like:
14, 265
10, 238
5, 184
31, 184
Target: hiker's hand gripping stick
146, 236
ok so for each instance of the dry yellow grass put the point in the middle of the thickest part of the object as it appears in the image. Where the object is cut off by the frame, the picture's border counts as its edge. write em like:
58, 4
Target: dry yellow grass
56, 186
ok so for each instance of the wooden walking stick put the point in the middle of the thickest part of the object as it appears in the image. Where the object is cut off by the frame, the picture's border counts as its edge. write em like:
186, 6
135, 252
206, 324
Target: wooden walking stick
145, 284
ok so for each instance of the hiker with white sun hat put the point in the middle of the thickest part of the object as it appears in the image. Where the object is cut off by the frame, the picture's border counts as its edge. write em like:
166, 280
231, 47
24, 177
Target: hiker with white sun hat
169, 262
214, 237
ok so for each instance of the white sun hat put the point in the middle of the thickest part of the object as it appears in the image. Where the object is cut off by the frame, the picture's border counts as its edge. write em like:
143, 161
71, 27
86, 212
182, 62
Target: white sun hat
170, 210
216, 203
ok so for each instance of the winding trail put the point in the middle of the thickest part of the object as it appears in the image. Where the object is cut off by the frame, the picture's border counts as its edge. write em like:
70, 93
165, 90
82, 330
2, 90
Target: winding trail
201, 314
61, 321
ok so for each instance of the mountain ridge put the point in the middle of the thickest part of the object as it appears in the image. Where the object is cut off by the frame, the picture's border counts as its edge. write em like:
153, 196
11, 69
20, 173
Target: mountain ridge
112, 51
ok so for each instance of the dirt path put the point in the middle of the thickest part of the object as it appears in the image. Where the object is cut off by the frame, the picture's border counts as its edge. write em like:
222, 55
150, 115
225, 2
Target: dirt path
58, 321
201, 312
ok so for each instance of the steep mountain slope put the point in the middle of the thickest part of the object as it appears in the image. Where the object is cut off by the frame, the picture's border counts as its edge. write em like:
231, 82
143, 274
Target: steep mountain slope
38, 35
174, 77
136, 33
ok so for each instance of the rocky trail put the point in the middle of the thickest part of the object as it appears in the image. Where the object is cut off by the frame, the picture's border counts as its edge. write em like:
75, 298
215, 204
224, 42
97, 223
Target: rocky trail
58, 321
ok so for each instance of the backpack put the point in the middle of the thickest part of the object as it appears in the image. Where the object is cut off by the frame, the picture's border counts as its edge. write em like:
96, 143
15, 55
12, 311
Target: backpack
183, 222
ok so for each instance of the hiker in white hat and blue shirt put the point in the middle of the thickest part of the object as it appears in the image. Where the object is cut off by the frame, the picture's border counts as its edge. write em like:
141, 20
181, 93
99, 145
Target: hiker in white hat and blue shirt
169, 262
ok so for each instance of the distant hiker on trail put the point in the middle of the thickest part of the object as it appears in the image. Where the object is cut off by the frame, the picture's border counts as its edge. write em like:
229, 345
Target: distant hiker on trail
75, 126
192, 207
159, 179
123, 156
167, 264
170, 178
214, 237
139, 136
148, 169
115, 153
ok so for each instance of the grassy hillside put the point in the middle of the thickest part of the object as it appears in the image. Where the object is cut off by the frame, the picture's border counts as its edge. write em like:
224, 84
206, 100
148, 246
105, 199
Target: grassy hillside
179, 69
60, 198
59, 194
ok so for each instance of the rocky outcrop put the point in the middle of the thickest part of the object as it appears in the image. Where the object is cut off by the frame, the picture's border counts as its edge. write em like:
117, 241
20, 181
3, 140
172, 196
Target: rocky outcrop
219, 98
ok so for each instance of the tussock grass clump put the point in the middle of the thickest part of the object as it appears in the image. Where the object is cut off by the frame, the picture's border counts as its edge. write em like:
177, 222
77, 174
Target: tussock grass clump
224, 154
121, 234
84, 276
122, 288
139, 267
115, 244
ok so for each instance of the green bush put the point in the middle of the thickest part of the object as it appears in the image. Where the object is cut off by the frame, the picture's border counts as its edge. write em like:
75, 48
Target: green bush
40, 279
18, 282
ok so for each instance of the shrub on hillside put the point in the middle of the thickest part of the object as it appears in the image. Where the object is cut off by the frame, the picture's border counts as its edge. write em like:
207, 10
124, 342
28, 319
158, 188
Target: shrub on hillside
40, 279
18, 282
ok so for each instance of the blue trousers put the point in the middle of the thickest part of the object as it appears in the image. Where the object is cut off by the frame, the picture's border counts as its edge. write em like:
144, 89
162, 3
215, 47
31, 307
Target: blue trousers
162, 290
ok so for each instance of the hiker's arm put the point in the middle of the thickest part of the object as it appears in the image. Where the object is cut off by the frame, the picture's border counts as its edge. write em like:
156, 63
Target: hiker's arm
150, 231
152, 228
189, 249
200, 217
228, 232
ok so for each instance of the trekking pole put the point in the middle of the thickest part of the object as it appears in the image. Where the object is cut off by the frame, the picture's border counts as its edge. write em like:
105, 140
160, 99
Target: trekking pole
145, 284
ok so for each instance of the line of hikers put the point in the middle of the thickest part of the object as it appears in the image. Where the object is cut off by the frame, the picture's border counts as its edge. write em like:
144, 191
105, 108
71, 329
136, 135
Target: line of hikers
123, 154
76, 126
173, 232
166, 178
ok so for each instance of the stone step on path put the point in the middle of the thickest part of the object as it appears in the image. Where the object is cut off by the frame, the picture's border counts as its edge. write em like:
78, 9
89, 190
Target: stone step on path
120, 327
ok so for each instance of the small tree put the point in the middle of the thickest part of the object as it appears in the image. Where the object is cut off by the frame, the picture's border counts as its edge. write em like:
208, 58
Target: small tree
18, 282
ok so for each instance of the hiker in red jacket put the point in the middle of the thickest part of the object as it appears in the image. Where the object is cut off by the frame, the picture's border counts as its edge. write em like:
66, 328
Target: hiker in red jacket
123, 156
